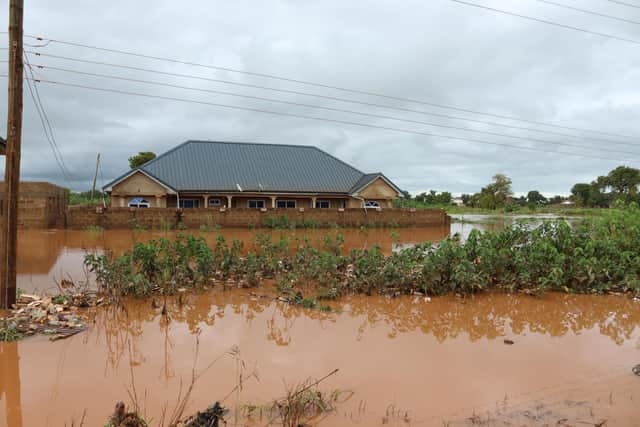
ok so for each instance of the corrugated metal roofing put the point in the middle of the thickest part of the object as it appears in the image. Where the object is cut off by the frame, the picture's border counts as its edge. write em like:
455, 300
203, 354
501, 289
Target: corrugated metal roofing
225, 166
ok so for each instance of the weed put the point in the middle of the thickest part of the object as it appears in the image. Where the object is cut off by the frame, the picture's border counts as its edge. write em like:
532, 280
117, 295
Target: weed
9, 333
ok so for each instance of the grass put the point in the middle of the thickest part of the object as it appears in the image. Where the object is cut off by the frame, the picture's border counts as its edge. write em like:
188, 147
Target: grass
9, 333
596, 256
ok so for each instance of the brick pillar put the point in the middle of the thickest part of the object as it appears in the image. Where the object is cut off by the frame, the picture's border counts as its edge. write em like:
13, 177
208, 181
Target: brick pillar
206, 201
313, 202
229, 201
273, 201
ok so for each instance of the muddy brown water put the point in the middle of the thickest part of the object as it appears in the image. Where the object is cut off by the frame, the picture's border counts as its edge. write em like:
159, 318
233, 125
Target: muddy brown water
407, 361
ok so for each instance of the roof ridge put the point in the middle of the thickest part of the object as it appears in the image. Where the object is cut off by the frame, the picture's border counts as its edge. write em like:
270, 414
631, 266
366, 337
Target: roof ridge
199, 141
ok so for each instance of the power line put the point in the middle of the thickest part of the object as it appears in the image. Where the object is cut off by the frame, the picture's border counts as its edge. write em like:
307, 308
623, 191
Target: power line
331, 98
590, 12
324, 119
325, 86
46, 125
544, 21
625, 3
339, 110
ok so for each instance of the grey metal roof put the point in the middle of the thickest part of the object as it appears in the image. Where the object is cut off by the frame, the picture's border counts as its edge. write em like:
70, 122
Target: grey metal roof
223, 166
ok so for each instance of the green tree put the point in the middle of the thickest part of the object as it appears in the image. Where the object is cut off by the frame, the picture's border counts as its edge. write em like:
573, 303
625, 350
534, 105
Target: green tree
534, 197
624, 180
581, 194
496, 194
141, 158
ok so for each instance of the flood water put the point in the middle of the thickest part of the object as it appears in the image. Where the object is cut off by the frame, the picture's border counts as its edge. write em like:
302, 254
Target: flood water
402, 361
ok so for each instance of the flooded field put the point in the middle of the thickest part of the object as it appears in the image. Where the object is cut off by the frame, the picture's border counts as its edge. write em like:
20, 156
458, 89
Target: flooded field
491, 359
406, 361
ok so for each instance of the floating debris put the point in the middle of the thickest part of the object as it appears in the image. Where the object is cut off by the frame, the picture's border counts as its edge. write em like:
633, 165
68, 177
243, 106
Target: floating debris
508, 342
56, 316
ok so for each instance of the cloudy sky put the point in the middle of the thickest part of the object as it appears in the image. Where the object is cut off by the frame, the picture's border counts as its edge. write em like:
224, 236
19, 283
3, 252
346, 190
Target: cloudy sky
436, 52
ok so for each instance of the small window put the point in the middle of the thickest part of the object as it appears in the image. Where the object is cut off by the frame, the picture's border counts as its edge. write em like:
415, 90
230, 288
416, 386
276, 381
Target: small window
139, 203
323, 204
285, 204
255, 204
189, 203
371, 204
215, 202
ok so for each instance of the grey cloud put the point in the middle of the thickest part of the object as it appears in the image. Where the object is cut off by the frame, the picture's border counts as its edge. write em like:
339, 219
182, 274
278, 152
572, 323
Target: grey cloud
437, 51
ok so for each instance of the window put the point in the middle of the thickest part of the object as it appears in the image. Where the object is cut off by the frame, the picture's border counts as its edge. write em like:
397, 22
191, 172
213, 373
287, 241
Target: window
323, 204
255, 204
215, 202
285, 204
189, 203
139, 202
371, 204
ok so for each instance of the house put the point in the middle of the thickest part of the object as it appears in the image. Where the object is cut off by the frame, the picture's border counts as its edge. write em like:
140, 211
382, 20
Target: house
208, 174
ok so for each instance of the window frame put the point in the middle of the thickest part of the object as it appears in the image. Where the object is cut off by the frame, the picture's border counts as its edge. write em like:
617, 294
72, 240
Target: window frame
288, 204
195, 203
259, 204
321, 201
372, 204
143, 204
215, 205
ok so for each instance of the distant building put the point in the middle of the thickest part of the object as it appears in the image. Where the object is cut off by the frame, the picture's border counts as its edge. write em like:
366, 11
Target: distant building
206, 174
457, 201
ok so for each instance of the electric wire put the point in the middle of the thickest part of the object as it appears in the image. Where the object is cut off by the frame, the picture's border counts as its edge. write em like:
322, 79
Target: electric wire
544, 21
324, 119
46, 126
339, 110
320, 85
590, 12
331, 98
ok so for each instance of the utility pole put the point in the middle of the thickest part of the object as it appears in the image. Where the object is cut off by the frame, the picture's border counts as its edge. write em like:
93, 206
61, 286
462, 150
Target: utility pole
95, 177
9, 226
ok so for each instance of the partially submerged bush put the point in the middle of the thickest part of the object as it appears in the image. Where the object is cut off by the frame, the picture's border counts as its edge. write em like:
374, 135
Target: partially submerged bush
597, 256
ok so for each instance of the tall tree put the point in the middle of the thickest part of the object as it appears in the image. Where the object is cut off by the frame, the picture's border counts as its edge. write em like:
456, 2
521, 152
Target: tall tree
141, 158
624, 180
536, 198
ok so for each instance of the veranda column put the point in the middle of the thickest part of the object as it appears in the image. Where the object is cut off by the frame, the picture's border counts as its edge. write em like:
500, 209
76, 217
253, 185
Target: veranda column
273, 201
206, 201
313, 203
229, 201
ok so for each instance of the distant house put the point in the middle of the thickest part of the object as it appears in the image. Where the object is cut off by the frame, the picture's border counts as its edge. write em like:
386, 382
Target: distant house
205, 174
457, 201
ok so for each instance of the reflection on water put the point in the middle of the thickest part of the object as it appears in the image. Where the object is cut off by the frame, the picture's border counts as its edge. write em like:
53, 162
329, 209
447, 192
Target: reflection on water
435, 359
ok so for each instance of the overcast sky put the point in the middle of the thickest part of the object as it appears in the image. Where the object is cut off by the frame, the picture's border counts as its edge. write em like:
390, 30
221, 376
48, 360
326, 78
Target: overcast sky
436, 51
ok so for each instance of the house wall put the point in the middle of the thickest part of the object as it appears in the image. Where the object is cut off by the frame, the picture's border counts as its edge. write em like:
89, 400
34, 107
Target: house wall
79, 217
40, 205
138, 185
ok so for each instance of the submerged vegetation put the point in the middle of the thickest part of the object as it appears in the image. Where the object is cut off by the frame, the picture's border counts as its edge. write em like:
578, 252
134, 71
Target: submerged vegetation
599, 255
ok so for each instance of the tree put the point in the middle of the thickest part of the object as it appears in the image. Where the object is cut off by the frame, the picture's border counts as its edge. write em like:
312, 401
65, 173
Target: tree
581, 193
535, 198
497, 193
140, 159
624, 180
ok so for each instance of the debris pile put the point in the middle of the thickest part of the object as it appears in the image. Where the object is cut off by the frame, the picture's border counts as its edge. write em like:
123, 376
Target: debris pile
211, 417
55, 316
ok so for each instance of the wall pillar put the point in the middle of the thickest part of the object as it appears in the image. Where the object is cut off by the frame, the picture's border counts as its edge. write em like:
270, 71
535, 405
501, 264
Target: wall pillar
159, 203
122, 201
229, 201
206, 201
313, 202
273, 201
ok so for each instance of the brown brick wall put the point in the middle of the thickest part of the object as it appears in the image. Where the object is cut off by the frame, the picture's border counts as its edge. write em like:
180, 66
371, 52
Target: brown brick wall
109, 218
41, 205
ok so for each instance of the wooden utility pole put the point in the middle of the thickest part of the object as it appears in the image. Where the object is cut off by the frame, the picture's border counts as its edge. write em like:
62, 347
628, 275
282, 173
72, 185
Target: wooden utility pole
95, 177
9, 226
